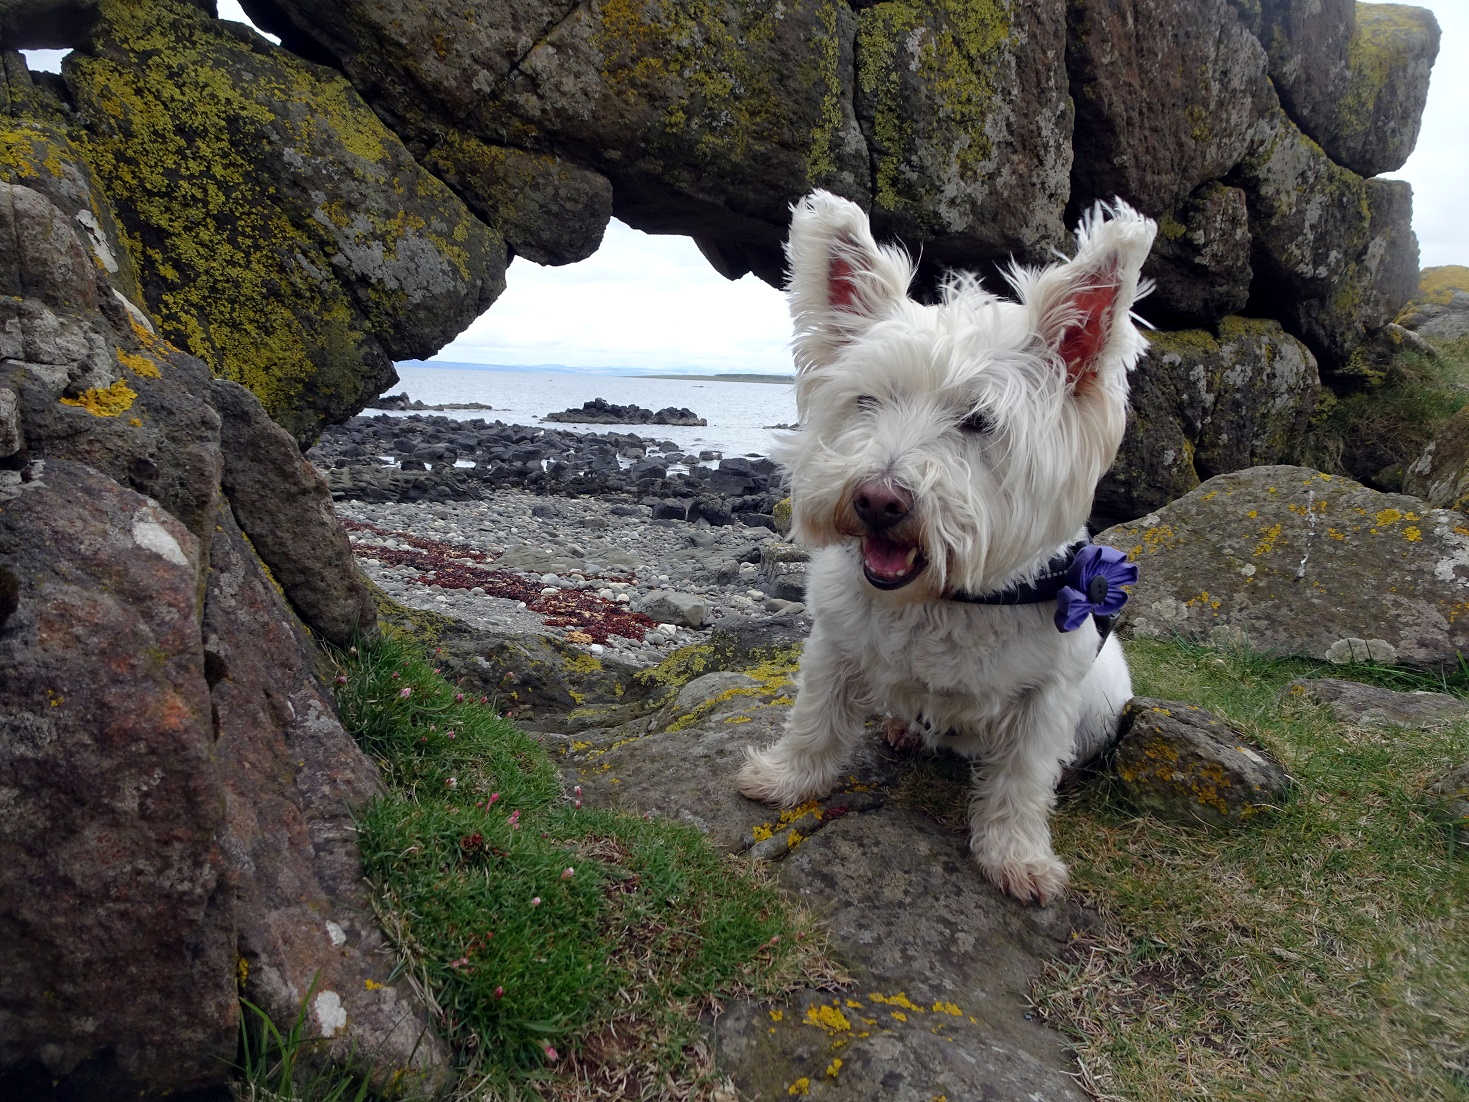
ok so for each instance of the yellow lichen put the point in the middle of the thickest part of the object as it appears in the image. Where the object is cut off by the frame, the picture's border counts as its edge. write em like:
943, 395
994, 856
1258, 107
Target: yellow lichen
104, 402
900, 999
138, 365
828, 1017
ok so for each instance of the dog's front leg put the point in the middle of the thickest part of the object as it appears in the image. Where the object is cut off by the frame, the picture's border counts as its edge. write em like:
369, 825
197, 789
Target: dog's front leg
823, 724
1014, 792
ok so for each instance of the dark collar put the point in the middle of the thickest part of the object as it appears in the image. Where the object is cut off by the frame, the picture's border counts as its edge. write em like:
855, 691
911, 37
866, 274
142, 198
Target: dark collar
1090, 590
1046, 586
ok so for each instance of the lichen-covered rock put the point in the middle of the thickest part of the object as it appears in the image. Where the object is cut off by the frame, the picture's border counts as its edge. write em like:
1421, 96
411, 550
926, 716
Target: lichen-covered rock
707, 117
1203, 405
937, 1006
1166, 96
36, 153
968, 117
1200, 263
1335, 254
285, 236
1179, 762
281, 499
1288, 560
549, 210
1352, 76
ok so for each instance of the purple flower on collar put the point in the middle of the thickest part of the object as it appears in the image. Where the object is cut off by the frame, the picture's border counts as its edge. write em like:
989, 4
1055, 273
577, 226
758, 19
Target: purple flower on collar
1094, 586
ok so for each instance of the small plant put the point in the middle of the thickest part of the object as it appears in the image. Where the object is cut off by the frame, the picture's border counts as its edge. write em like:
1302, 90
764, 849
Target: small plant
272, 1065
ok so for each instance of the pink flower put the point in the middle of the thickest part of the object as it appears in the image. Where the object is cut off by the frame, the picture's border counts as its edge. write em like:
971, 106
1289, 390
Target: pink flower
567, 873
395, 675
494, 796
452, 782
551, 1054
405, 692
449, 733
341, 679
576, 791
515, 819
458, 698
484, 700
535, 901
499, 992
576, 804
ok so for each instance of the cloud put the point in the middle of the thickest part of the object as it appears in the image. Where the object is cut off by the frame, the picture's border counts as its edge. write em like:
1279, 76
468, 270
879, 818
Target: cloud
639, 301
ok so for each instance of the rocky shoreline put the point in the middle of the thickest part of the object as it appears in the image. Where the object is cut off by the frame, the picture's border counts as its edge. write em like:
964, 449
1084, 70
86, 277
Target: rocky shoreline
423, 457
606, 540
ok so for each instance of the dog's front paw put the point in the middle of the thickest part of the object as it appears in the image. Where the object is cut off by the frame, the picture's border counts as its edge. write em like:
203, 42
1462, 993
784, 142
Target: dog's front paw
1030, 880
774, 778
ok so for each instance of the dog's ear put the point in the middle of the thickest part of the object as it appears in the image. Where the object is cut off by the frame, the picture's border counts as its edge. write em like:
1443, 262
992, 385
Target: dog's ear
1080, 310
839, 279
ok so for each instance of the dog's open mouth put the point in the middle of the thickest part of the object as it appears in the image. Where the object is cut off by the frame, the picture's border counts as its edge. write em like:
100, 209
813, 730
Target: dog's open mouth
889, 563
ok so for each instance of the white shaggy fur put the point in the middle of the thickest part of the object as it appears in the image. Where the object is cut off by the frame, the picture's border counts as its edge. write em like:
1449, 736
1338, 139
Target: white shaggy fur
983, 425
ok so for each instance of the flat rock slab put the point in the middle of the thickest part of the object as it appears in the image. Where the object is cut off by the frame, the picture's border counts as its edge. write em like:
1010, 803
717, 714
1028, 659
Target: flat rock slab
941, 961
1287, 560
1374, 706
941, 964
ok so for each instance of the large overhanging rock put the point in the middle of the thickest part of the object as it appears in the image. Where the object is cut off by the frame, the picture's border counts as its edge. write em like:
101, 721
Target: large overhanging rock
969, 119
1352, 76
1290, 561
44, 24
1166, 95
1200, 263
284, 235
1203, 405
707, 117
1336, 256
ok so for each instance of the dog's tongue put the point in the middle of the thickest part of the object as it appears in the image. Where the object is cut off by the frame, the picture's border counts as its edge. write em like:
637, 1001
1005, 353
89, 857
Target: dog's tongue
887, 559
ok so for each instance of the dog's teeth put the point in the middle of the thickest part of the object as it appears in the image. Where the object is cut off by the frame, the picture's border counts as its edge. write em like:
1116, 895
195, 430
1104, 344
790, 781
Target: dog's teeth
912, 557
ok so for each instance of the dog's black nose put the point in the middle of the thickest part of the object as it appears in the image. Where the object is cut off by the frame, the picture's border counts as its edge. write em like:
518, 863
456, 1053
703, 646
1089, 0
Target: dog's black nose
881, 505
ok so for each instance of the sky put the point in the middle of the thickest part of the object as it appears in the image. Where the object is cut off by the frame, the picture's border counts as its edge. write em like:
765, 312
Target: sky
655, 303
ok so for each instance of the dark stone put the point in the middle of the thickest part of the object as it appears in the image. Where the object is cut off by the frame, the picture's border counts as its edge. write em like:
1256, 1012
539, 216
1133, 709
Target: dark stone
1182, 763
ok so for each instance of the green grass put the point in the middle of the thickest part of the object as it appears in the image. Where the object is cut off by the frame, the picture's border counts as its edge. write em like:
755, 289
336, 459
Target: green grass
574, 984
1321, 954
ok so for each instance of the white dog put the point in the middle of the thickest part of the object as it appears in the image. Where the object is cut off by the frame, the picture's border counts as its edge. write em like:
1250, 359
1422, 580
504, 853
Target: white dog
943, 471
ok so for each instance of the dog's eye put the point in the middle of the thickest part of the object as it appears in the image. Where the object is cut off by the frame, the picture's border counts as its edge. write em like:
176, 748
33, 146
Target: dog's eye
978, 422
866, 401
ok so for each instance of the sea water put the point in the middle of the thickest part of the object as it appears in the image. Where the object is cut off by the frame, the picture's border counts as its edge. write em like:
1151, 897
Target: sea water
740, 414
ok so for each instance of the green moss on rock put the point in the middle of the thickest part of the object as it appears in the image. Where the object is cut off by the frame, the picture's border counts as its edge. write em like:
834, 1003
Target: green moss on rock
222, 155
953, 52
